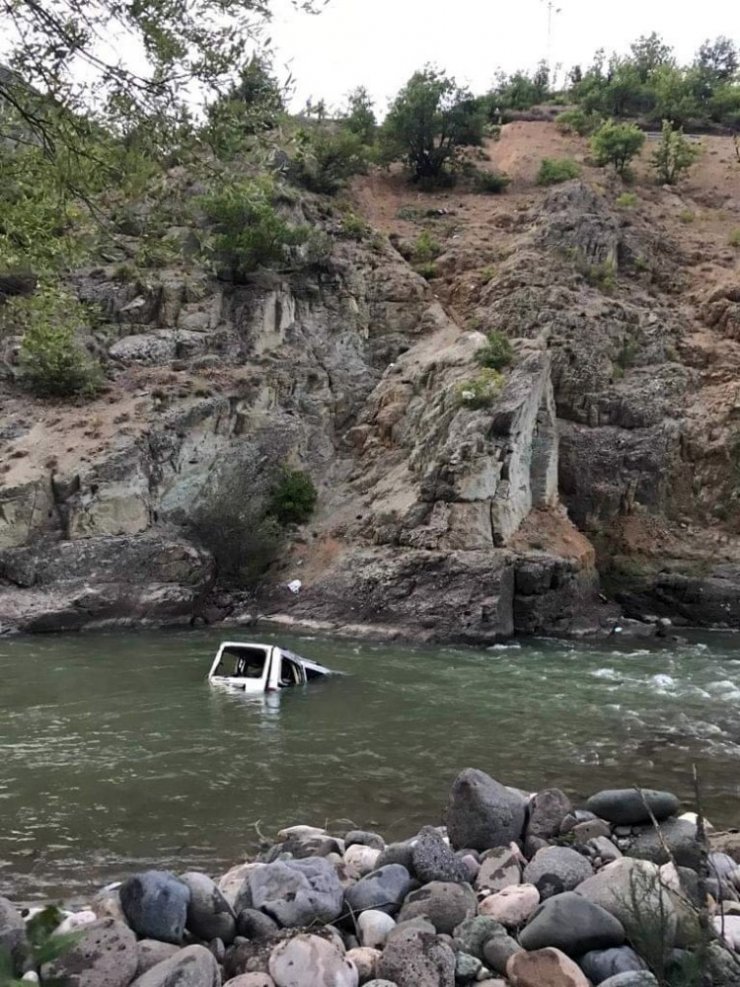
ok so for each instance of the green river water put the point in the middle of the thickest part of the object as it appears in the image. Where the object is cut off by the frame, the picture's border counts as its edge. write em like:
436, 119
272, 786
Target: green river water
115, 754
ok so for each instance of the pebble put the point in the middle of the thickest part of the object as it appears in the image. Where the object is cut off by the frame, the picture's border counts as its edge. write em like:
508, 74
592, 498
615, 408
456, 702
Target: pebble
366, 961
544, 968
513, 906
499, 869
374, 927
310, 961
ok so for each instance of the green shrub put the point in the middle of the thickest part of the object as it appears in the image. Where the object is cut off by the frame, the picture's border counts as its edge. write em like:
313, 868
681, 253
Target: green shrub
428, 124
617, 144
230, 519
627, 200
497, 353
487, 274
673, 155
293, 497
327, 158
427, 269
52, 361
553, 171
734, 238
600, 275
426, 248
480, 391
577, 121
490, 182
249, 232
686, 216
354, 227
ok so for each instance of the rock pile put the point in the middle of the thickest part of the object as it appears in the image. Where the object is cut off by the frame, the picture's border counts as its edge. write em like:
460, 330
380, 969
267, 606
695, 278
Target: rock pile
518, 889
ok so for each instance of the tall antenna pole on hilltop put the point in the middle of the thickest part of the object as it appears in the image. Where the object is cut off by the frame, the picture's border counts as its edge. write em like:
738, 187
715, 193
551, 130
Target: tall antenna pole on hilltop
552, 10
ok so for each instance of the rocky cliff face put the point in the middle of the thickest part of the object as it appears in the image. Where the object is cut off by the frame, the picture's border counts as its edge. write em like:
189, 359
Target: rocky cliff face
609, 448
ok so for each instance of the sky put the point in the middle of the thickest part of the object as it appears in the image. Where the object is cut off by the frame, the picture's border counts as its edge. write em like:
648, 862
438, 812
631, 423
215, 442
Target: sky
379, 43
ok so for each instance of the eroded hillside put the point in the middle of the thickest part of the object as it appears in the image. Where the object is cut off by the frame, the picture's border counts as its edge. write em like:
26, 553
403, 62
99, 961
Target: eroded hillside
607, 467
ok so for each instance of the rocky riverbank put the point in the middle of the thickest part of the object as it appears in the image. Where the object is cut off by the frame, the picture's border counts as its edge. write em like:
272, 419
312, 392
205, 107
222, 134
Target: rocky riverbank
528, 890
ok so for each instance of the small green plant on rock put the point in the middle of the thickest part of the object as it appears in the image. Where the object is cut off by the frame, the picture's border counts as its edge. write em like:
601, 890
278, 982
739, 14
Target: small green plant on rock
627, 200
354, 227
427, 270
487, 274
601, 275
426, 248
686, 216
734, 238
553, 171
497, 352
480, 391
293, 497
53, 362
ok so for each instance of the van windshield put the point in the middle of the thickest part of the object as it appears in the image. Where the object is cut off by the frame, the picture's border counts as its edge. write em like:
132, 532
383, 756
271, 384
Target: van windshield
242, 663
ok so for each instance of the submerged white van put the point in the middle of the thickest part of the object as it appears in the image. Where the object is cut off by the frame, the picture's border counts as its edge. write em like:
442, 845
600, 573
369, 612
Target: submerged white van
257, 668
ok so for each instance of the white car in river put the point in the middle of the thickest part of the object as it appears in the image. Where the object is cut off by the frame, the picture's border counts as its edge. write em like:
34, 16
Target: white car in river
259, 668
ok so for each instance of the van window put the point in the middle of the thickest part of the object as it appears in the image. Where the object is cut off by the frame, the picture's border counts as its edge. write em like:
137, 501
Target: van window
290, 673
242, 663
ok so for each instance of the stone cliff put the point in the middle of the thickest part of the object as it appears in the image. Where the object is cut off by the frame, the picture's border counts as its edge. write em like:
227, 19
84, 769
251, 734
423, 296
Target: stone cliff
605, 467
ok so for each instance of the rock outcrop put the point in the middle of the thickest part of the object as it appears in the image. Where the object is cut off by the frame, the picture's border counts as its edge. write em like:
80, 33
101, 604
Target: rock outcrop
436, 518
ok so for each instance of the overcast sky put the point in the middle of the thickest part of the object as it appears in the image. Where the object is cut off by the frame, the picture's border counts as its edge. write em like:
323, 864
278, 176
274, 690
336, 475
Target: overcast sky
379, 43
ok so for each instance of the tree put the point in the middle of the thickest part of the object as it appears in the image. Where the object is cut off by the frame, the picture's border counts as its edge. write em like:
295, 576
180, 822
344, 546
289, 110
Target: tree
617, 144
718, 59
520, 91
429, 121
187, 49
673, 156
359, 117
649, 53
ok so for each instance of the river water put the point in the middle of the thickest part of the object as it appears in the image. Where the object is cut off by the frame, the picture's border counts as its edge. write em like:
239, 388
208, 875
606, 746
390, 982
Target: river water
115, 754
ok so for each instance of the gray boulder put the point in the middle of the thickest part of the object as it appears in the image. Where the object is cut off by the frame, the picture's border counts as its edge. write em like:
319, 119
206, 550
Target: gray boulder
482, 814
626, 806
572, 924
151, 952
297, 892
256, 925
445, 904
310, 961
105, 955
383, 889
678, 835
364, 838
631, 890
473, 934
374, 928
155, 904
397, 853
193, 966
499, 869
548, 809
12, 929
498, 950
601, 964
555, 869
433, 860
631, 978
467, 968
209, 913
417, 960
722, 966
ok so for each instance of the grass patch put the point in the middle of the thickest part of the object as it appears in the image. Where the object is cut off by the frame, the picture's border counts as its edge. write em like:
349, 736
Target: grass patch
627, 200
553, 171
497, 353
734, 238
480, 391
